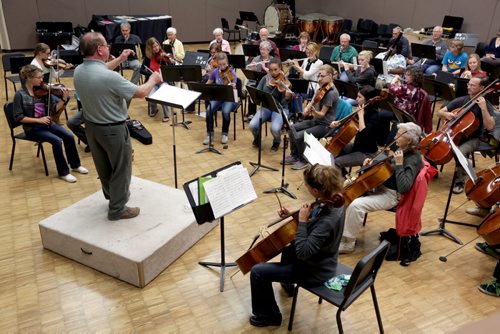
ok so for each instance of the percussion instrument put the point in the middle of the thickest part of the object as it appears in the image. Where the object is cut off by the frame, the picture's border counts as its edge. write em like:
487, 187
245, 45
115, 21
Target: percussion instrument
276, 17
331, 26
310, 24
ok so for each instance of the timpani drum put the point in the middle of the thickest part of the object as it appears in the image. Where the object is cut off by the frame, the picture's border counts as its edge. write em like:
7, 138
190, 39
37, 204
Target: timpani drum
276, 17
309, 23
331, 26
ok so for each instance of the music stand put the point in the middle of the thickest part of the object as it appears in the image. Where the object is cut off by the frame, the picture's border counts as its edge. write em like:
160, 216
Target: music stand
251, 75
213, 92
168, 48
181, 73
378, 65
249, 16
401, 115
251, 50
286, 54
177, 98
236, 61
438, 90
283, 187
346, 89
265, 100
423, 51
300, 86
196, 58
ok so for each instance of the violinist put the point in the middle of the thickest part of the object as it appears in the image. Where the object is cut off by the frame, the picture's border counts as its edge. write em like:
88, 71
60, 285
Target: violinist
307, 71
407, 163
312, 257
177, 46
211, 62
132, 62
473, 67
153, 60
31, 112
219, 40
365, 144
49, 66
222, 75
276, 84
483, 111
323, 109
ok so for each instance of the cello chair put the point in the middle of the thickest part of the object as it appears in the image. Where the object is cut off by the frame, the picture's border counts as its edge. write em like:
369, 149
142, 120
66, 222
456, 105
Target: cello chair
362, 277
8, 109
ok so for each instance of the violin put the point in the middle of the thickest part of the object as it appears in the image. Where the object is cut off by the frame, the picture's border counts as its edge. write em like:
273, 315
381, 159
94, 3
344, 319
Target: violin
436, 147
273, 244
162, 56
227, 76
280, 82
57, 63
349, 127
485, 191
44, 90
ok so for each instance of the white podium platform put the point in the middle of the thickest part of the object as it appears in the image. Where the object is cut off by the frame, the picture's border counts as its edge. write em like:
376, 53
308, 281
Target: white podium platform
133, 250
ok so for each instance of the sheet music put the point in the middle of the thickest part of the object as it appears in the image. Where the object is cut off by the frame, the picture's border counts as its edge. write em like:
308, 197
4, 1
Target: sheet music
231, 189
174, 96
385, 68
462, 160
316, 153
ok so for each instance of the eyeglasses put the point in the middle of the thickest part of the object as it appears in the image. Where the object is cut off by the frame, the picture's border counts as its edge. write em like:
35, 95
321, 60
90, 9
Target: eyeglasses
39, 77
323, 75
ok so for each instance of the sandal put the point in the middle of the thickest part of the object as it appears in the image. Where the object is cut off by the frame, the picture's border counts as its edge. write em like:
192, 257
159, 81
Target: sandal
165, 119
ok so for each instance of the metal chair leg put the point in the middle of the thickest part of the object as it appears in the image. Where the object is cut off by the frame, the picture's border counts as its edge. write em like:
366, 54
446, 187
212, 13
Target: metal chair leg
12, 154
292, 310
377, 310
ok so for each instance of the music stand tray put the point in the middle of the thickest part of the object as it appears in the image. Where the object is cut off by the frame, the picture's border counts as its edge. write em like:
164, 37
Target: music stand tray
248, 16
423, 51
347, 89
236, 61
286, 54
196, 58
253, 75
251, 50
300, 86
117, 48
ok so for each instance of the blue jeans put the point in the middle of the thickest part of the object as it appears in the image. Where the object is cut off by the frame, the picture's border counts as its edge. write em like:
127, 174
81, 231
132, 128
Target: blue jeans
430, 69
227, 109
276, 123
56, 135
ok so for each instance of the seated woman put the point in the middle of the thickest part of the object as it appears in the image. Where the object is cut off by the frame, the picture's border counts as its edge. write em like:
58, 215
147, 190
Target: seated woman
396, 64
31, 112
219, 39
455, 58
473, 68
261, 62
362, 75
307, 71
152, 62
409, 97
365, 144
304, 39
492, 53
407, 163
222, 75
311, 258
323, 114
272, 83
214, 49
177, 46
43, 58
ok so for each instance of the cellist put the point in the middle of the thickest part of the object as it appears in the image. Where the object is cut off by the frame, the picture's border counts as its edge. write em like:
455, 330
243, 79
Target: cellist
407, 163
323, 109
483, 112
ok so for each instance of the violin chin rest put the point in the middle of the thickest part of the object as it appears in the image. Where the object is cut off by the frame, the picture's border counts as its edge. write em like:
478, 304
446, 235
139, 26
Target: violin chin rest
337, 200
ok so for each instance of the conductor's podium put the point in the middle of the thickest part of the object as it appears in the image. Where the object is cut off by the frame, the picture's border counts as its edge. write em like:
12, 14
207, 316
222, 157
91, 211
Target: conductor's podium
132, 250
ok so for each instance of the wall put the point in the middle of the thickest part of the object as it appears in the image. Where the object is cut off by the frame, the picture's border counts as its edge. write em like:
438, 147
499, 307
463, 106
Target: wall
195, 19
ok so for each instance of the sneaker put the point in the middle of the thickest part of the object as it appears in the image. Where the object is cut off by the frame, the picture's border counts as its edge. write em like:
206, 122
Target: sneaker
480, 212
255, 142
223, 139
153, 113
81, 170
68, 178
483, 247
290, 160
207, 140
264, 321
126, 214
275, 147
458, 188
300, 164
165, 119
347, 245
491, 288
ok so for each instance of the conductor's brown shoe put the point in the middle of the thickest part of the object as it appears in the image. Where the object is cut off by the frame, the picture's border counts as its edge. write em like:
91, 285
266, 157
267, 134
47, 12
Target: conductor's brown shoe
126, 214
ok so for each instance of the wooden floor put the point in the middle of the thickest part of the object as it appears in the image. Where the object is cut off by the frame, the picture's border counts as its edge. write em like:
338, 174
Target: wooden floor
44, 292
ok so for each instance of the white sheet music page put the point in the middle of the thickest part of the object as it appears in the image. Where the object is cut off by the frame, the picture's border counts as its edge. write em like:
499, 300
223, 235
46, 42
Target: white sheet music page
316, 153
462, 160
174, 96
228, 191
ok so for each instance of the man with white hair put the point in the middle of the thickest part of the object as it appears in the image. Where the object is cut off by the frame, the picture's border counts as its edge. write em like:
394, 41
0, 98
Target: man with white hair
344, 52
431, 66
219, 39
407, 163
405, 44
177, 46
132, 62
264, 36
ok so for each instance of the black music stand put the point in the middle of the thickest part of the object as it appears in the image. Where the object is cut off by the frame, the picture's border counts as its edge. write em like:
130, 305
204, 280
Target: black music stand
209, 93
177, 98
438, 90
441, 230
196, 58
117, 48
167, 48
181, 73
251, 50
236, 61
204, 213
265, 100
286, 54
423, 51
346, 89
254, 76
283, 187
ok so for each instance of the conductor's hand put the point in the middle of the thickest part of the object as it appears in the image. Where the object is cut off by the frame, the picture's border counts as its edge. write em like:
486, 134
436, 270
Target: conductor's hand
155, 77
283, 212
125, 54
305, 212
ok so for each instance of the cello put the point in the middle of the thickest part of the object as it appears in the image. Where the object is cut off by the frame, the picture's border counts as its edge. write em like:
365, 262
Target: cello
273, 244
485, 191
489, 228
436, 147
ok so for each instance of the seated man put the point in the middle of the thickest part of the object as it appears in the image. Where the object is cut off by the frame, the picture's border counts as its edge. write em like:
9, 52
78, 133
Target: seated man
431, 66
344, 52
132, 62
405, 44
264, 36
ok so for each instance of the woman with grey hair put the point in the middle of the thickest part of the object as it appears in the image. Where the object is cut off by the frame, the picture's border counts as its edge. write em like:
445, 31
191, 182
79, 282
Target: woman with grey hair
261, 62
407, 163
219, 39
